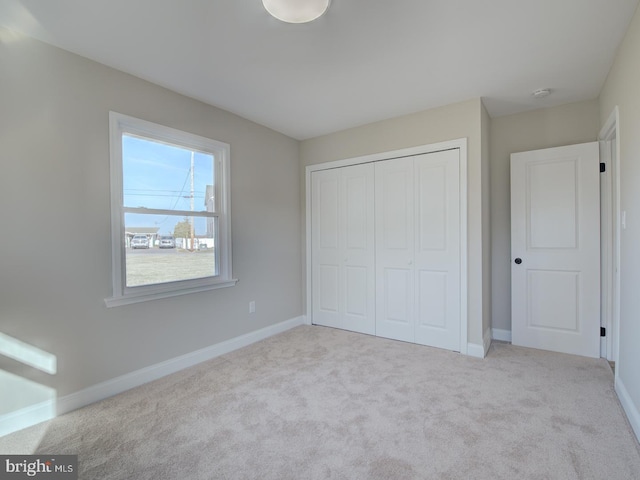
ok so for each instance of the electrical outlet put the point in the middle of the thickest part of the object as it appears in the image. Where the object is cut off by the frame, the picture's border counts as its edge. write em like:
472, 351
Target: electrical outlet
252, 306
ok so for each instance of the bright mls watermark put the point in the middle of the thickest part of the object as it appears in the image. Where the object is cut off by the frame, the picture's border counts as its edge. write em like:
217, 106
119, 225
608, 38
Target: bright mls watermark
54, 467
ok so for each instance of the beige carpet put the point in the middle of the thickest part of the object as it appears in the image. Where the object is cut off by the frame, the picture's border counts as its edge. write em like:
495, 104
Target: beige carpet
318, 403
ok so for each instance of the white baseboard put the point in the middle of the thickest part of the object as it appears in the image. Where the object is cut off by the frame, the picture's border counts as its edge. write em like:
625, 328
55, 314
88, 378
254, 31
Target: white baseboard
37, 413
486, 341
480, 351
140, 377
633, 414
27, 416
475, 350
502, 335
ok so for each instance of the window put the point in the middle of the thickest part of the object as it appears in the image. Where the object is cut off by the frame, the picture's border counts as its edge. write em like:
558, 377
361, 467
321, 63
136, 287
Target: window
170, 225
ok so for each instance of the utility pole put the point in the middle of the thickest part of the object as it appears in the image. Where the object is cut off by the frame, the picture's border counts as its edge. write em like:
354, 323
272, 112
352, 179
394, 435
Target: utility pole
192, 195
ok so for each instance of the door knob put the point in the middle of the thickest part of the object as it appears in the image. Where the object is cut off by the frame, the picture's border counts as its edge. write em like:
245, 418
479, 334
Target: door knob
518, 261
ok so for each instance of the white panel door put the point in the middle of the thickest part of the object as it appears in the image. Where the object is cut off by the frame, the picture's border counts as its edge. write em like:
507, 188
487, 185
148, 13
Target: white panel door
555, 249
343, 280
437, 249
418, 249
326, 254
395, 283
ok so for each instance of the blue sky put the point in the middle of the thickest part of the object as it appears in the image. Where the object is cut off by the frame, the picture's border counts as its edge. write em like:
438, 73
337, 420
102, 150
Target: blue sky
156, 175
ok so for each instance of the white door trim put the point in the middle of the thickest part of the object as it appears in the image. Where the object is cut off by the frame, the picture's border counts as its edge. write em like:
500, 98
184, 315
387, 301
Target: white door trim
460, 144
610, 133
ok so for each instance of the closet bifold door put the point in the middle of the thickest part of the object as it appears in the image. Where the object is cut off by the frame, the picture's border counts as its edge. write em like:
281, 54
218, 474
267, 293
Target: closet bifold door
394, 232
418, 249
342, 248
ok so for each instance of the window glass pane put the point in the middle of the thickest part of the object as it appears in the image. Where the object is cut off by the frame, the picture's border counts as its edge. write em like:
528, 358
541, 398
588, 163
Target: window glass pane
168, 177
165, 248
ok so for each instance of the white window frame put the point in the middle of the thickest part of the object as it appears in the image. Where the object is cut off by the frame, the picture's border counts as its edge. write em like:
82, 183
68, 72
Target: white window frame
120, 124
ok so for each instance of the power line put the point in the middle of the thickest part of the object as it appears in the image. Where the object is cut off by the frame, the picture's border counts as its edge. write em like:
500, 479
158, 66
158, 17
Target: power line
179, 196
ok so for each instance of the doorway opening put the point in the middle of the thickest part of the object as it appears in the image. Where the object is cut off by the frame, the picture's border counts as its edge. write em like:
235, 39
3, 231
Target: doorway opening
610, 236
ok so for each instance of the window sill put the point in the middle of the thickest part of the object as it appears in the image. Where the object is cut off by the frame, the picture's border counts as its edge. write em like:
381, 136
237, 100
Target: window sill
118, 301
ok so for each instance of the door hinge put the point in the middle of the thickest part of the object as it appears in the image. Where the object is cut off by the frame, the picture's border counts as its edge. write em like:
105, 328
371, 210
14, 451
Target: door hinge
603, 332
603, 167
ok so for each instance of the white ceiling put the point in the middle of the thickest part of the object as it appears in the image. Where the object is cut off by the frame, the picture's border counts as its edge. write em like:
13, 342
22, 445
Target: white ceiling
363, 61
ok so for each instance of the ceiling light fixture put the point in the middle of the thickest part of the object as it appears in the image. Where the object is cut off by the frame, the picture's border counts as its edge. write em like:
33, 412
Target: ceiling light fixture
296, 11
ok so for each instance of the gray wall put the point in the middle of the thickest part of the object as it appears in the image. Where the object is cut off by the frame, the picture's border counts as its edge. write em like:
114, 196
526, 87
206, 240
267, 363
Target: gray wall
460, 120
622, 88
55, 220
544, 128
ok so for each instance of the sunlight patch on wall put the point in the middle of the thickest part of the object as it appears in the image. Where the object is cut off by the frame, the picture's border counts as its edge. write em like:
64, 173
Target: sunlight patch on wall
27, 354
23, 402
